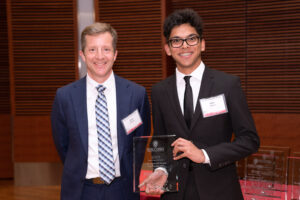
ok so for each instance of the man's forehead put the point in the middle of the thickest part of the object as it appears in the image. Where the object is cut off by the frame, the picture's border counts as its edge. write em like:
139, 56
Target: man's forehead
183, 30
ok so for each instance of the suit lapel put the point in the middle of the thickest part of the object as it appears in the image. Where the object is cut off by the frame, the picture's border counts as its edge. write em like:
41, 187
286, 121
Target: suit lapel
174, 101
205, 90
80, 107
123, 94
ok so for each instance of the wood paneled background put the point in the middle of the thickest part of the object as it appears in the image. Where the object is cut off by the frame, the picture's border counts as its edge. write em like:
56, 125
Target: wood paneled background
256, 40
6, 163
43, 55
140, 56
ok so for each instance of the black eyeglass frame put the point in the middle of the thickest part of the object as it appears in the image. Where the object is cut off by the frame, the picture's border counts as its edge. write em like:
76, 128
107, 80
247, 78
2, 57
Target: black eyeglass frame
185, 40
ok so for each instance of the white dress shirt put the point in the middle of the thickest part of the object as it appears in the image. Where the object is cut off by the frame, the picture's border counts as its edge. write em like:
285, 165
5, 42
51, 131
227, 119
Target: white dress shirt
195, 82
93, 169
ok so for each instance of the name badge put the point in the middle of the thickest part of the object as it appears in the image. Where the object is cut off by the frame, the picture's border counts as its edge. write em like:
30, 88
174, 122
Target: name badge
132, 121
213, 106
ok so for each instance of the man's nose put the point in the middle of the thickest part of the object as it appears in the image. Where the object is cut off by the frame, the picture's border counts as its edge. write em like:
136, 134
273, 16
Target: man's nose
185, 45
99, 53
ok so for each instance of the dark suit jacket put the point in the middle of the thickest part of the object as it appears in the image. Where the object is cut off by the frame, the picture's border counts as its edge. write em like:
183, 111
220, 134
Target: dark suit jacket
70, 133
214, 134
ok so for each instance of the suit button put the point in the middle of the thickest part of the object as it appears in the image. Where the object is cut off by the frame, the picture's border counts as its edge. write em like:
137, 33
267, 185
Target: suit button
184, 165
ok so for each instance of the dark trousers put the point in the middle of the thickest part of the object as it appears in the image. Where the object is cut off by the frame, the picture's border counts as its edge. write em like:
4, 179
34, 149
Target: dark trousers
190, 191
117, 190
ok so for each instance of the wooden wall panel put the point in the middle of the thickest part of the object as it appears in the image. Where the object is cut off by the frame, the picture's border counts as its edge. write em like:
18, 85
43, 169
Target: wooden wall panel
4, 64
43, 55
44, 52
6, 165
138, 24
273, 56
33, 139
280, 130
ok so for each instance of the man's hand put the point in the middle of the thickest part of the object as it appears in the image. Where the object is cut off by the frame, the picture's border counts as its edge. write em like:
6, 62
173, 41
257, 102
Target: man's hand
155, 182
185, 148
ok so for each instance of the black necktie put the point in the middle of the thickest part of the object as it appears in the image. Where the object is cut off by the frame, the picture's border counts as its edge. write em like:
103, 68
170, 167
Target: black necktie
188, 102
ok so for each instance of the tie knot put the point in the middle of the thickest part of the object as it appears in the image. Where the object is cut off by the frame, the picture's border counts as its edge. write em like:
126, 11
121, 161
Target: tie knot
187, 79
100, 88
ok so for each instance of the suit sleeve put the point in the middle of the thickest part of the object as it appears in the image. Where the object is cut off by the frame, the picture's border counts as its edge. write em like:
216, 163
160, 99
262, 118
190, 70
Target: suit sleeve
145, 115
59, 128
144, 130
246, 140
159, 129
158, 122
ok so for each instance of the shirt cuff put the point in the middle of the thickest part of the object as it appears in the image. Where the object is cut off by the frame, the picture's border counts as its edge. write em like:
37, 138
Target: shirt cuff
163, 169
207, 160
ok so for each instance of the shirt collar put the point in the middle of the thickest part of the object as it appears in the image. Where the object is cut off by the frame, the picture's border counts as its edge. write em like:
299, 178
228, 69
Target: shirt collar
197, 73
109, 83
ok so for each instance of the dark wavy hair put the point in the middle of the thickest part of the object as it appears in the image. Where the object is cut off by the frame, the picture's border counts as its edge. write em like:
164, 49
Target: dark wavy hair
183, 16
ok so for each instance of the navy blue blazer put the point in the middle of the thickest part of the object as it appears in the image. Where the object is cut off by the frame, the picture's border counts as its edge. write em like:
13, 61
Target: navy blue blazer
70, 134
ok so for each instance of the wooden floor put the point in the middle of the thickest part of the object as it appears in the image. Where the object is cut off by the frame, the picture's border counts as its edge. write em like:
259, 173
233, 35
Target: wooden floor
10, 192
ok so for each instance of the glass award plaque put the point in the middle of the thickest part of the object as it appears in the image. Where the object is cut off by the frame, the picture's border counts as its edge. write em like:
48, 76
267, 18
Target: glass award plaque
149, 153
266, 174
294, 175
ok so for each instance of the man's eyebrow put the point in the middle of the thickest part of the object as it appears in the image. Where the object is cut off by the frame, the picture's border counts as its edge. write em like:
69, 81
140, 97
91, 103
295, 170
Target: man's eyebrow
177, 37
193, 34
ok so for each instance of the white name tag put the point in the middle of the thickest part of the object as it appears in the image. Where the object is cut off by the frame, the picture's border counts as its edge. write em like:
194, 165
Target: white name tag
213, 106
132, 121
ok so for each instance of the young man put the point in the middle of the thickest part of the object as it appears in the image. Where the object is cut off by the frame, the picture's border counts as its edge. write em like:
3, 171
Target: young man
203, 107
94, 121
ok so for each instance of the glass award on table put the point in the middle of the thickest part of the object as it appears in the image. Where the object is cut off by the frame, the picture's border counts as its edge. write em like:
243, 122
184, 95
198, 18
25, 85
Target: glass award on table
266, 174
294, 187
149, 153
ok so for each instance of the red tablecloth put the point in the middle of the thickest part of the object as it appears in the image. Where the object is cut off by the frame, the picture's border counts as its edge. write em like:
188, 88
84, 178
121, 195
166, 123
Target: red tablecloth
258, 190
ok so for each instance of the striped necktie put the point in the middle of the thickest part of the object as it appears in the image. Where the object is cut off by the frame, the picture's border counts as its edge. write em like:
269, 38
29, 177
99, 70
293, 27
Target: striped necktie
106, 162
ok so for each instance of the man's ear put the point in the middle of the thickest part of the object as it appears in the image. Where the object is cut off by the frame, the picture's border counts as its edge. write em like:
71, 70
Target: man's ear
202, 45
115, 56
168, 50
82, 55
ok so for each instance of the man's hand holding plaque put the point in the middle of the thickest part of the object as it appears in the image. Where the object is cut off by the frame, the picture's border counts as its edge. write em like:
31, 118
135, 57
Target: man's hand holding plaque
155, 182
186, 149
155, 170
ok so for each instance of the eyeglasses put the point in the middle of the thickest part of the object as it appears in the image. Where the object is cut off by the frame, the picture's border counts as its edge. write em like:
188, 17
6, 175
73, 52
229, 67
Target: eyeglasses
178, 42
